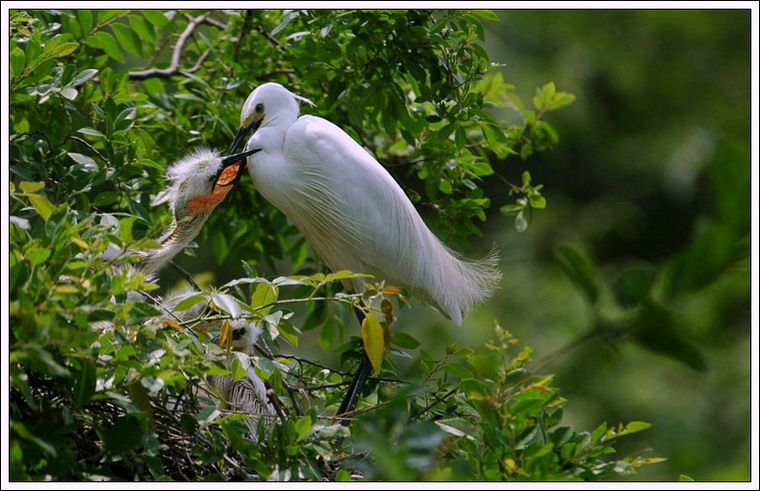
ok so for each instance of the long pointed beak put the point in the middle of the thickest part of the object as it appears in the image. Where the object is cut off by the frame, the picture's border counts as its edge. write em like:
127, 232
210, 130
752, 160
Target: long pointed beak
239, 138
231, 159
241, 134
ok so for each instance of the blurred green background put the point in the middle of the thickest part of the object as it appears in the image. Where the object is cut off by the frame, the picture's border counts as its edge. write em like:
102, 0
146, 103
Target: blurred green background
650, 180
652, 168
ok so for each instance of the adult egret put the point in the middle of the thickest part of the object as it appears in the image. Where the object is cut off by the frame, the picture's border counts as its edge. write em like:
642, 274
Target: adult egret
351, 210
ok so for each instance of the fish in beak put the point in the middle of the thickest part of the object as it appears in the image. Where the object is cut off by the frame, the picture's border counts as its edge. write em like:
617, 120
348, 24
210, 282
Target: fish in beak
228, 176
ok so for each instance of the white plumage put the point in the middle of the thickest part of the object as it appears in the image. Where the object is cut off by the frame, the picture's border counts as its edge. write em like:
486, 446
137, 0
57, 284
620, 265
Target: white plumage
350, 209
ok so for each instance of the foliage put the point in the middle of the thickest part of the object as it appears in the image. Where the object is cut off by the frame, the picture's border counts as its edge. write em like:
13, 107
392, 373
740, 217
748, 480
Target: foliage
651, 191
100, 390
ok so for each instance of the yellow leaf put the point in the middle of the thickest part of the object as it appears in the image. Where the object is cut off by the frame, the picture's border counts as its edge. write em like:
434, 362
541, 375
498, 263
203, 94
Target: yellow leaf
42, 205
66, 289
374, 341
80, 242
173, 325
31, 187
391, 290
225, 335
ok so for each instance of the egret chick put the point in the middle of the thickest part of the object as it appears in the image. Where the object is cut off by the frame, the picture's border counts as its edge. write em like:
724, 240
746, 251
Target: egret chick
199, 182
247, 395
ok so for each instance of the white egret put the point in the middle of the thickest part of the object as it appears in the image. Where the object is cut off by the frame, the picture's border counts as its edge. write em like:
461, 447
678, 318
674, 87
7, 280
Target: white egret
351, 210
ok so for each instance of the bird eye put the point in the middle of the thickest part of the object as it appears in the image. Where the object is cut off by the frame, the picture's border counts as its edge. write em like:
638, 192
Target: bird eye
237, 334
259, 108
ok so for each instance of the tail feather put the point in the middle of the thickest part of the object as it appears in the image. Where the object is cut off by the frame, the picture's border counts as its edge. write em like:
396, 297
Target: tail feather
459, 283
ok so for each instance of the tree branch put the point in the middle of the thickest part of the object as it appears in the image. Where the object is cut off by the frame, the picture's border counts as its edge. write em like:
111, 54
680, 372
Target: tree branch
174, 67
179, 269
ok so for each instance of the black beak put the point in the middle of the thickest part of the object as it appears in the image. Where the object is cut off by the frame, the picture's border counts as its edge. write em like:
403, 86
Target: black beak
231, 159
241, 134
239, 138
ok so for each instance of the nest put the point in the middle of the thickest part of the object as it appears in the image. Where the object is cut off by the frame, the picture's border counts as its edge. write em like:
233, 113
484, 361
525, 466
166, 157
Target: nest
176, 458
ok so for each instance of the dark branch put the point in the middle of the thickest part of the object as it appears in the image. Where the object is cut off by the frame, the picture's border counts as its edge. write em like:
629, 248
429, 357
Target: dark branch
174, 67
179, 269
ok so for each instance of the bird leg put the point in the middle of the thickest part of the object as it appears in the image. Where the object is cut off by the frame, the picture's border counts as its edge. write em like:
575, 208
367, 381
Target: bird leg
360, 378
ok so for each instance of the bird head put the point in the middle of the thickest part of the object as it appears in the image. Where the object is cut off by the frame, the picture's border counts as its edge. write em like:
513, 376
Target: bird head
267, 103
244, 335
199, 182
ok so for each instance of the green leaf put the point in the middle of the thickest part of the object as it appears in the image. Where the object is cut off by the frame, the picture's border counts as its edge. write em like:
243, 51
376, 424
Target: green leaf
106, 15
84, 387
263, 294
191, 300
404, 340
124, 435
125, 228
128, 39
91, 132
87, 162
69, 93
42, 205
220, 248
526, 179
83, 77
18, 60
227, 303
37, 255
655, 328
488, 15
85, 20
157, 18
537, 201
634, 427
303, 426
107, 43
374, 341
633, 287
56, 51
143, 30
579, 269
106, 198
521, 223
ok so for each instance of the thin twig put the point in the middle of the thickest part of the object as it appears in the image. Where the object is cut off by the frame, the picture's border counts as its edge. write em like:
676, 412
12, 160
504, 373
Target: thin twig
179, 269
210, 21
174, 67
313, 363
437, 401
89, 145
278, 407
269, 37
356, 412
